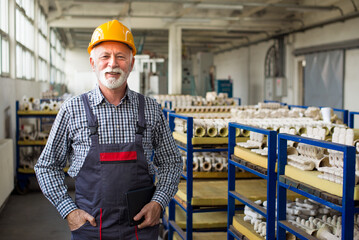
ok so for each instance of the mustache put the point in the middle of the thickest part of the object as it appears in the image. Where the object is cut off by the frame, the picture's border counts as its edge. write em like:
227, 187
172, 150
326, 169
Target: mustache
109, 69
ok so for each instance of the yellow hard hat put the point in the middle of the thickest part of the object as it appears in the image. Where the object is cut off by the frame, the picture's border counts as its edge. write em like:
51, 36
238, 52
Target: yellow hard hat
112, 31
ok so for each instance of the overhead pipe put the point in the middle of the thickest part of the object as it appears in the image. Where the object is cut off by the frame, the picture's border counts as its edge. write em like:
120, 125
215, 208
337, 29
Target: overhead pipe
303, 29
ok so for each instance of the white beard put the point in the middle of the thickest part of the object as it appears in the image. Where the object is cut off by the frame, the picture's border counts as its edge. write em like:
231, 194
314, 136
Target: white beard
112, 82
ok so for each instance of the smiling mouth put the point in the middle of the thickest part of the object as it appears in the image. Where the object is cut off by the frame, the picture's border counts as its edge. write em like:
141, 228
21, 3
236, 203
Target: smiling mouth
113, 73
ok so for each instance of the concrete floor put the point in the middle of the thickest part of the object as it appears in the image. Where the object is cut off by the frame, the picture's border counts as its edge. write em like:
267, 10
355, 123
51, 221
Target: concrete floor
32, 217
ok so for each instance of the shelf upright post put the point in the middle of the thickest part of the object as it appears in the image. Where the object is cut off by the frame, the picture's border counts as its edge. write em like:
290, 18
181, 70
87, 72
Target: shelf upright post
171, 217
172, 205
17, 138
171, 123
271, 184
345, 117
351, 118
189, 215
231, 179
348, 193
281, 191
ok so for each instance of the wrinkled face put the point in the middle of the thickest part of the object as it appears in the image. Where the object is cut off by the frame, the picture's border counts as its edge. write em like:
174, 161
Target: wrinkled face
112, 62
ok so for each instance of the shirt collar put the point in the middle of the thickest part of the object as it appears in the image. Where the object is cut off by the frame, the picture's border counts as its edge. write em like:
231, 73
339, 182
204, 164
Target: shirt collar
99, 98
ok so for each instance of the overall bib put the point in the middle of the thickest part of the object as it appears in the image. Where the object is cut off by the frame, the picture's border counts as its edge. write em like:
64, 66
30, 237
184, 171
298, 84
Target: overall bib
109, 171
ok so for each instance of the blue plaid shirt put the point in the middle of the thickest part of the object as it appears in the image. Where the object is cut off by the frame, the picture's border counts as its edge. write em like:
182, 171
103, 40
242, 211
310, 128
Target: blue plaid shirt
69, 141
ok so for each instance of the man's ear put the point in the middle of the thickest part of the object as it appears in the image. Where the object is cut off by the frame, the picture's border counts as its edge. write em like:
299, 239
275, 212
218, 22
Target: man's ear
133, 63
92, 62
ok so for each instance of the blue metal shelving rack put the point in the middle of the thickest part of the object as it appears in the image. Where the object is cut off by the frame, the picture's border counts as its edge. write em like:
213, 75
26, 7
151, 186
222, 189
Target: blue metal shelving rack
172, 226
351, 118
166, 111
23, 178
273, 101
168, 104
347, 209
269, 213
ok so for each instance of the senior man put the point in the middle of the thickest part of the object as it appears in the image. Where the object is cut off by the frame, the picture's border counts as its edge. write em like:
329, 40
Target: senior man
108, 135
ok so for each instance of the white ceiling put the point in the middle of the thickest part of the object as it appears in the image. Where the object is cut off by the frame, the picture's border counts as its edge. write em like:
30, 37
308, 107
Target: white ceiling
207, 25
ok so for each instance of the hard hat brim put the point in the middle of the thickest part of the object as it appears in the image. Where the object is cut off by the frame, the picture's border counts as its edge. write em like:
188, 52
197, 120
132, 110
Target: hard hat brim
129, 45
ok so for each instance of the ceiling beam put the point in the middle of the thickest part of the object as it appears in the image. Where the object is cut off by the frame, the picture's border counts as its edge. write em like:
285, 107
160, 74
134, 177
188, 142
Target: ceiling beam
193, 3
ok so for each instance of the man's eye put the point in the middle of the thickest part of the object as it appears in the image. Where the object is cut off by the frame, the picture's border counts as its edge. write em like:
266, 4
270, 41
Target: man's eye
104, 57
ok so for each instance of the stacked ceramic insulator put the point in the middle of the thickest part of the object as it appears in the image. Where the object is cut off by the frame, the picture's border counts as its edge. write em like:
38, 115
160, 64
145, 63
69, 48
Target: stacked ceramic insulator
177, 100
221, 99
299, 124
283, 112
33, 136
213, 115
260, 113
256, 140
308, 157
28, 133
204, 109
318, 220
269, 105
314, 218
256, 219
204, 127
50, 94
207, 161
334, 171
187, 100
28, 104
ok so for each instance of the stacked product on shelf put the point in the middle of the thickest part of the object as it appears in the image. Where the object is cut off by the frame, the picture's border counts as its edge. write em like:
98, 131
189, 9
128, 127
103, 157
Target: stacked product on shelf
236, 225
332, 182
247, 156
206, 124
207, 161
312, 217
34, 118
211, 99
203, 202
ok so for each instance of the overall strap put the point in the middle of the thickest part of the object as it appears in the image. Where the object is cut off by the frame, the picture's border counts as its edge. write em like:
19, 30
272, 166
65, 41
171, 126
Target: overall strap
91, 118
141, 124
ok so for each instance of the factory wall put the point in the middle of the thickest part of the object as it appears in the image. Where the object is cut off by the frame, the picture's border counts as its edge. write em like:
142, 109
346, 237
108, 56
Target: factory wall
236, 68
238, 64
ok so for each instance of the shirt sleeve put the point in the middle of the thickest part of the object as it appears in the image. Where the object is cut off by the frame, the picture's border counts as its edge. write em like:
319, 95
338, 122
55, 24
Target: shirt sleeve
49, 167
168, 161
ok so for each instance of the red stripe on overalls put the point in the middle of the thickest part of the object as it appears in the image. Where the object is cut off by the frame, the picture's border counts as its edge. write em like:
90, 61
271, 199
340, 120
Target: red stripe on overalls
136, 232
118, 156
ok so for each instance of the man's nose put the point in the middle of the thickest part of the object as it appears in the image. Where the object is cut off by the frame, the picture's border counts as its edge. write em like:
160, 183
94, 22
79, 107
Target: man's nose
112, 61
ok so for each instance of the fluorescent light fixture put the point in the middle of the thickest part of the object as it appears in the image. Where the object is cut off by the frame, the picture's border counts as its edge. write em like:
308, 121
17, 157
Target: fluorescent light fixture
214, 6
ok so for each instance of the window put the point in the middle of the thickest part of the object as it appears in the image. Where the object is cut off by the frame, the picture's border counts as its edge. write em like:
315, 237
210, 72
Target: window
25, 36
57, 56
4, 38
43, 48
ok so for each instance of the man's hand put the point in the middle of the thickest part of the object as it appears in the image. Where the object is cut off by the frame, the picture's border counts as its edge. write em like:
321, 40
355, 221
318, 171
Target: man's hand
77, 218
152, 212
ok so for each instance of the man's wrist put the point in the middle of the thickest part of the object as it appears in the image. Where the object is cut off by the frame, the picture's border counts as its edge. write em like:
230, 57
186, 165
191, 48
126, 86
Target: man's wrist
66, 206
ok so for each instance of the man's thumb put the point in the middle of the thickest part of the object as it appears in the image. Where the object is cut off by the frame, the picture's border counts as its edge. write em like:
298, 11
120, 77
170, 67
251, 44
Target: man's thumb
91, 219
